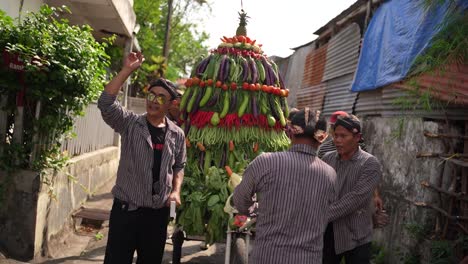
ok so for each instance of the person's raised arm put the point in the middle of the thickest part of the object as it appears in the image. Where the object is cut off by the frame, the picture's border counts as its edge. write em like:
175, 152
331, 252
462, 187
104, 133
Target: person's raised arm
112, 112
131, 64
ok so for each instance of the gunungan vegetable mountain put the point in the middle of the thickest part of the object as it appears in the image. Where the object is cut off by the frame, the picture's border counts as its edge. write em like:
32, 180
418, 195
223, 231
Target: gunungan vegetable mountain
234, 108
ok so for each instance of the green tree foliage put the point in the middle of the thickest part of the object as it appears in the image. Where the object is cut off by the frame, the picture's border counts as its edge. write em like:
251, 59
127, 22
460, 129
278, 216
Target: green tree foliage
186, 39
64, 70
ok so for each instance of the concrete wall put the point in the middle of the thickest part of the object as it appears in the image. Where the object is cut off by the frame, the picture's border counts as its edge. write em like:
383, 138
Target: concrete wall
402, 175
31, 216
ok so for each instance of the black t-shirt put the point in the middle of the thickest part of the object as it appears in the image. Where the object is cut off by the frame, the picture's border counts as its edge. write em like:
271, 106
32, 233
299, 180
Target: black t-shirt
157, 137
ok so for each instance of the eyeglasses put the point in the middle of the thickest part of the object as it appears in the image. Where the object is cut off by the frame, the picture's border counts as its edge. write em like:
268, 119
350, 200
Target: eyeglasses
157, 98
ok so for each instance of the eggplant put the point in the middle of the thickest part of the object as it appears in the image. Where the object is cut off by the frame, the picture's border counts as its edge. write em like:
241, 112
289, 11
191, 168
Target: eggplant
196, 104
203, 65
272, 75
186, 126
222, 65
233, 103
281, 81
226, 71
214, 98
254, 106
222, 162
254, 71
202, 160
245, 70
266, 66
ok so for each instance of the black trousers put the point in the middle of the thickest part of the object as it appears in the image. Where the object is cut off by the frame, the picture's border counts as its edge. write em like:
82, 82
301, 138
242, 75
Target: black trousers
358, 255
143, 230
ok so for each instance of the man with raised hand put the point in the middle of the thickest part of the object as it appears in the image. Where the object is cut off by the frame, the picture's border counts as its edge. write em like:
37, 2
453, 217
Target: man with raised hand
150, 172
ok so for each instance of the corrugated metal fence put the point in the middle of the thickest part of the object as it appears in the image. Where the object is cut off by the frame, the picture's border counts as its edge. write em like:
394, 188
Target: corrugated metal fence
337, 68
92, 133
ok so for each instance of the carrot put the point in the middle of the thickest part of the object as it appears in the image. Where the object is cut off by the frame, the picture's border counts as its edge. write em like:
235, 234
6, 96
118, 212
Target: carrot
228, 170
255, 148
187, 143
231, 145
200, 146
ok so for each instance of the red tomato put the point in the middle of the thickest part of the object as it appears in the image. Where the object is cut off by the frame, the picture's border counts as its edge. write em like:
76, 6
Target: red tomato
188, 83
233, 86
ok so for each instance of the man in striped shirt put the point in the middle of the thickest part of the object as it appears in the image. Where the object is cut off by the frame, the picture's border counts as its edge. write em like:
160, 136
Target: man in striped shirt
294, 190
150, 173
328, 146
349, 233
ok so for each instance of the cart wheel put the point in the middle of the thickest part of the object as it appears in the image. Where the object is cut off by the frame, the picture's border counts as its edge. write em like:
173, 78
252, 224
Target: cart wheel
239, 250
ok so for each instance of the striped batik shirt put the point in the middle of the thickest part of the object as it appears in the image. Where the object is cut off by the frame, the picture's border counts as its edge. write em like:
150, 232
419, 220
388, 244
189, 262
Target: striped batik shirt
294, 190
134, 183
351, 214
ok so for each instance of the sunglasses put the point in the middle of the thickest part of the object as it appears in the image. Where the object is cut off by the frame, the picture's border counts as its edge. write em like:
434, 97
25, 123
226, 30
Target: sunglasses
157, 98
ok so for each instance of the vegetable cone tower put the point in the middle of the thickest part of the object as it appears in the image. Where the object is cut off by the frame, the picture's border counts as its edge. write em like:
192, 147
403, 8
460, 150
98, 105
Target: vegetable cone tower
234, 108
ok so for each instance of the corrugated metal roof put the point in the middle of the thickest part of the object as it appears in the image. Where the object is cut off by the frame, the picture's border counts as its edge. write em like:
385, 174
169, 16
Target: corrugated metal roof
311, 97
338, 96
368, 103
343, 52
397, 102
449, 84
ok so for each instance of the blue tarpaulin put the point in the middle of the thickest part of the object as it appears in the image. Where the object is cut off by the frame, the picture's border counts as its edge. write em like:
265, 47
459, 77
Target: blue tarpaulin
399, 31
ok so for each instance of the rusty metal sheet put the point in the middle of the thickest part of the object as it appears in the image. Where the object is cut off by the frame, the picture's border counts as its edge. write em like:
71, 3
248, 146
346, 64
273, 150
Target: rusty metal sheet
311, 97
315, 67
449, 84
398, 102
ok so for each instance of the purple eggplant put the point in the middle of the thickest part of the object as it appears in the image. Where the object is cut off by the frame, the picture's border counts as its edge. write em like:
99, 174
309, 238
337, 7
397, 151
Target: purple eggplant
202, 65
253, 70
233, 102
226, 70
281, 81
222, 65
202, 160
196, 104
272, 75
254, 106
266, 66
245, 70
222, 162
214, 98
186, 126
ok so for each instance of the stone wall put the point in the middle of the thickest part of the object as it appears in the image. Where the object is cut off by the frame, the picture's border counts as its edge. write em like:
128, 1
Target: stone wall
396, 142
33, 212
